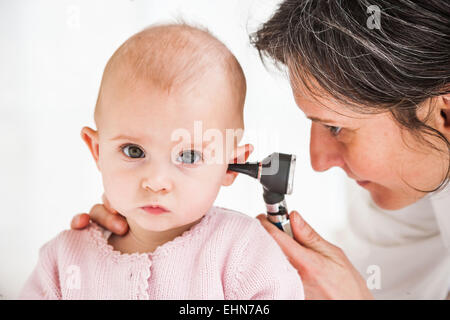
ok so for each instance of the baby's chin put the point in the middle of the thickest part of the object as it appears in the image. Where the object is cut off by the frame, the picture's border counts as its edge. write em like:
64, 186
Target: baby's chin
161, 223
154, 223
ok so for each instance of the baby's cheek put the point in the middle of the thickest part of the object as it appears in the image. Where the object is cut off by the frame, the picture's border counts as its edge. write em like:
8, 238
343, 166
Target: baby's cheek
200, 193
118, 190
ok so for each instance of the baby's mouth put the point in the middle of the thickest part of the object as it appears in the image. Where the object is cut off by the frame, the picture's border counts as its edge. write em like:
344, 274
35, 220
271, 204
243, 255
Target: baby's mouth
155, 209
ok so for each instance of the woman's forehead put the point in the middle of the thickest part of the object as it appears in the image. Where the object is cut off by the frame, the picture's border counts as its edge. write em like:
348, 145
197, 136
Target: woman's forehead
322, 107
316, 102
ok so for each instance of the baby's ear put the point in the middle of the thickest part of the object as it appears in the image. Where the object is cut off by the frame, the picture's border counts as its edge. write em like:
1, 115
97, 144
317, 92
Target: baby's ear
91, 138
240, 156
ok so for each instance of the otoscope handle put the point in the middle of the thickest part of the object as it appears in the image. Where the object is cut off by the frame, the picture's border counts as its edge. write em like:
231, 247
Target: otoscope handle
278, 214
284, 225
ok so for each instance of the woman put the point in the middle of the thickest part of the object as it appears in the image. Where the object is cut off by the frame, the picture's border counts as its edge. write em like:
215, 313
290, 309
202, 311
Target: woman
375, 82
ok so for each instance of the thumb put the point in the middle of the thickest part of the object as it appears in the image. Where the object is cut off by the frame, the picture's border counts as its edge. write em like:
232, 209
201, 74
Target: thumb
307, 236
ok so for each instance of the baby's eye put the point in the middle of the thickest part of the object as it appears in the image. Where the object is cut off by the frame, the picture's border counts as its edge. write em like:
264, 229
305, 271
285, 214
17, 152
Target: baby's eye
334, 130
189, 156
132, 151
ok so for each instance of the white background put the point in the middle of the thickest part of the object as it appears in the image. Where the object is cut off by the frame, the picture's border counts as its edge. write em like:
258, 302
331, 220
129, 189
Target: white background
51, 60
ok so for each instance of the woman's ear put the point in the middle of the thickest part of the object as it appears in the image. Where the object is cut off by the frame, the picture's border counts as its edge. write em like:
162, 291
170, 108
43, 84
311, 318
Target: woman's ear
240, 156
444, 110
90, 137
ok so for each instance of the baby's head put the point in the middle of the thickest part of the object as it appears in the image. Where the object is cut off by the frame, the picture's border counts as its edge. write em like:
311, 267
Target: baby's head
169, 97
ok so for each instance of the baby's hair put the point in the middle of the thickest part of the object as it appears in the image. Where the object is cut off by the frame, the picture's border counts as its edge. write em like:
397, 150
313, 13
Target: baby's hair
172, 57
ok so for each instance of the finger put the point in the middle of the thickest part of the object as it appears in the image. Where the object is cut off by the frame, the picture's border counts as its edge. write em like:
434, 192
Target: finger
308, 237
113, 222
80, 221
297, 255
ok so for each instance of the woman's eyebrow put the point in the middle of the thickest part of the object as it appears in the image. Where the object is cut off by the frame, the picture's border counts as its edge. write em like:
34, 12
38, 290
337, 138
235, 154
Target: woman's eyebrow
321, 120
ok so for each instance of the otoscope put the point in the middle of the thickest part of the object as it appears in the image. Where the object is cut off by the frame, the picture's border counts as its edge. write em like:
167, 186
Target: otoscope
276, 174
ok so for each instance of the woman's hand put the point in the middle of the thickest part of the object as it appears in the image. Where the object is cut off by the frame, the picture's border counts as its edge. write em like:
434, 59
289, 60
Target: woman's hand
325, 270
104, 215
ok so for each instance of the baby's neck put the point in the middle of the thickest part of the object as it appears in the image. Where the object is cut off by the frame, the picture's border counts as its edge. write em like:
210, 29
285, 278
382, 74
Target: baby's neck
144, 241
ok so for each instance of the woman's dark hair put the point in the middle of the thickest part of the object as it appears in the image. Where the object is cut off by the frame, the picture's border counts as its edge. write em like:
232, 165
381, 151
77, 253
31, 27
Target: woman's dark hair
392, 64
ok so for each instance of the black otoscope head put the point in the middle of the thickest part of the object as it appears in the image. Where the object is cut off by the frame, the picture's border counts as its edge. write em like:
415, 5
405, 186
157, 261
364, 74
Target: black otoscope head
275, 172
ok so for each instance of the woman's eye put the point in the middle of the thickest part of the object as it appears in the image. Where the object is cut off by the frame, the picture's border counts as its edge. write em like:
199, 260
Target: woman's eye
189, 157
334, 130
133, 151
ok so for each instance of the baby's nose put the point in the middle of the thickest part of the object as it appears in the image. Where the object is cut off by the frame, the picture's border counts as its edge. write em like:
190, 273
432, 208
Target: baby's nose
157, 180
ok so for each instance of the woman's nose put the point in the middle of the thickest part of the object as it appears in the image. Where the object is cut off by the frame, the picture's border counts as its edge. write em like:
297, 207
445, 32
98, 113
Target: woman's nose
325, 150
157, 178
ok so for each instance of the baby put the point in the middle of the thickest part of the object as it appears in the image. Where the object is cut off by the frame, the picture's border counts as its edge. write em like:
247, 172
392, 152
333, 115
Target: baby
169, 97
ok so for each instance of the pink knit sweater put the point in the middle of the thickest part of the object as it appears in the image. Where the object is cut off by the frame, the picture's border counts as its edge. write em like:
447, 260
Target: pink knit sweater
227, 255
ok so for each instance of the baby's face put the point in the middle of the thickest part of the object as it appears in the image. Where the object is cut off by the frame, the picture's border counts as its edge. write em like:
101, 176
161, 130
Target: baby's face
148, 154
